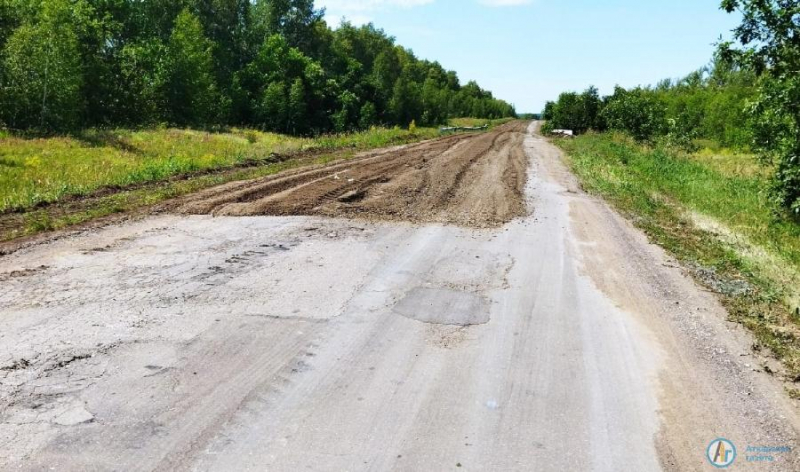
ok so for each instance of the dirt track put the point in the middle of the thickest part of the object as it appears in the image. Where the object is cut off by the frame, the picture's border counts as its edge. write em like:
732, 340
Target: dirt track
470, 180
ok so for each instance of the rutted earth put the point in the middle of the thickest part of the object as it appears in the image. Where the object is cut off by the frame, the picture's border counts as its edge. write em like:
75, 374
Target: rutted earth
475, 180
550, 337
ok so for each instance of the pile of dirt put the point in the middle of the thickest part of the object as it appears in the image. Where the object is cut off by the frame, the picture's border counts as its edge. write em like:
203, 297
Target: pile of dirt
471, 180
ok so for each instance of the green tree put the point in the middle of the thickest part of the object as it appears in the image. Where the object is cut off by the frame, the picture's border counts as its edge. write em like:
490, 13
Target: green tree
433, 106
295, 20
277, 62
191, 90
549, 110
385, 72
142, 80
568, 112
274, 109
346, 118
637, 111
405, 103
9, 20
42, 72
577, 112
297, 110
592, 106
368, 116
272, 63
770, 35
226, 24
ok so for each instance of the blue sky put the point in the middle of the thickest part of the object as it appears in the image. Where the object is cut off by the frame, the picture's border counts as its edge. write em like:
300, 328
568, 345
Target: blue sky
528, 51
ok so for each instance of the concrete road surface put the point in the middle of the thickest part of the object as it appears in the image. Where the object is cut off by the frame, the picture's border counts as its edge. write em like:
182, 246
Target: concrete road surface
561, 341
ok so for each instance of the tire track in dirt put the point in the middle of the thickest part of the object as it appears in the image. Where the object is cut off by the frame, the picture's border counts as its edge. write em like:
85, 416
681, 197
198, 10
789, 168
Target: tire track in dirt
469, 180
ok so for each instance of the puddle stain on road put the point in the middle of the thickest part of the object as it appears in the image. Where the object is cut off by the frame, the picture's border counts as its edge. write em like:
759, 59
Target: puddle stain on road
444, 306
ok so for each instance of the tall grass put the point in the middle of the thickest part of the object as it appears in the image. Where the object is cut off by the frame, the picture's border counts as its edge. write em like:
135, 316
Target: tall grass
38, 170
730, 188
711, 210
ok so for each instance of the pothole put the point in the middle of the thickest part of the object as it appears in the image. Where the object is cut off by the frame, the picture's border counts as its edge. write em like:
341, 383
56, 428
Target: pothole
444, 306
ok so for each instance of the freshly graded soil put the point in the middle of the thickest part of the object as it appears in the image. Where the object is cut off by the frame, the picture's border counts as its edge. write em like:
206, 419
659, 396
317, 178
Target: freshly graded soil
469, 180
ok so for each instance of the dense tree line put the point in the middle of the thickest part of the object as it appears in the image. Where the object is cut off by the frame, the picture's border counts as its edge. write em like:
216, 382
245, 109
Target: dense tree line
272, 64
710, 103
748, 98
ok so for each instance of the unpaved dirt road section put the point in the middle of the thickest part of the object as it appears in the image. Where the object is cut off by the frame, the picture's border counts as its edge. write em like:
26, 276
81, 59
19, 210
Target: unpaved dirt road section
474, 180
560, 341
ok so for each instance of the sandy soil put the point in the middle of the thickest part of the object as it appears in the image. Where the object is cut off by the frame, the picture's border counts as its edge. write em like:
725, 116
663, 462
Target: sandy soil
474, 180
560, 340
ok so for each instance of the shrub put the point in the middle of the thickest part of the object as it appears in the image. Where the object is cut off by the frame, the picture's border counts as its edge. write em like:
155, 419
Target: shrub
638, 112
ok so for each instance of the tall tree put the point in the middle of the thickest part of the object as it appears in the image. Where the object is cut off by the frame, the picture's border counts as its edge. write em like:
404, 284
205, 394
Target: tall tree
637, 111
276, 64
9, 21
293, 19
208, 62
191, 90
297, 107
367, 116
42, 71
225, 23
770, 35
142, 80
273, 110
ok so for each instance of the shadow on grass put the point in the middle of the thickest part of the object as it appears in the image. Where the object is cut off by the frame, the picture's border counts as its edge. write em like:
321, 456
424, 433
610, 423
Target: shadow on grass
104, 138
9, 163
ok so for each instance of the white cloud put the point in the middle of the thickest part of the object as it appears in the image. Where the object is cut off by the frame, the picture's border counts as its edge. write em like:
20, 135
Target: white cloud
362, 5
354, 18
504, 3
357, 11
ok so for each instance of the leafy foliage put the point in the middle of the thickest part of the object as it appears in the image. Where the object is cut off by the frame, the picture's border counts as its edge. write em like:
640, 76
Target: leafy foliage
578, 112
770, 39
270, 64
190, 87
637, 111
710, 103
42, 71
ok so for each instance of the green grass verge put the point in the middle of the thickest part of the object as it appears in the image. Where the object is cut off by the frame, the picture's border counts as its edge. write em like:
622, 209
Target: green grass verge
53, 183
45, 170
710, 210
59, 216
